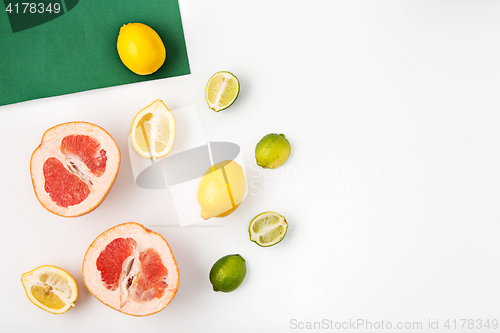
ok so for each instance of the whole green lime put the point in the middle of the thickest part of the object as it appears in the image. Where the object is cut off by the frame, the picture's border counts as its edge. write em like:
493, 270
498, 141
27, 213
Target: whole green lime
272, 151
228, 273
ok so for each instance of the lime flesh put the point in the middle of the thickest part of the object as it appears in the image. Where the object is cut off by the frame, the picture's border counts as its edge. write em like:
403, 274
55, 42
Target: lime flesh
222, 90
268, 229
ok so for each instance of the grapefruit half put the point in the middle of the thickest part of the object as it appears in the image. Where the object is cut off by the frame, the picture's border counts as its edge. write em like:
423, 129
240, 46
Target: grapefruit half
74, 167
131, 269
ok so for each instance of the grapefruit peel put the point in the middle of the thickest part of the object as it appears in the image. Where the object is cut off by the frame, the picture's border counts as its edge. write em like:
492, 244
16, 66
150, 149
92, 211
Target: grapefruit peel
74, 168
145, 276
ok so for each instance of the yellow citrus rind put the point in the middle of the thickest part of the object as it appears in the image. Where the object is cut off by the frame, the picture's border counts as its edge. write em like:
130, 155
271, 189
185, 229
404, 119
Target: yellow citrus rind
50, 288
153, 131
140, 48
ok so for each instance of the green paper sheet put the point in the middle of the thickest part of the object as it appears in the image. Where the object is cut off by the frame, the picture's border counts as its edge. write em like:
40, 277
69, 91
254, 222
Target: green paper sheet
47, 52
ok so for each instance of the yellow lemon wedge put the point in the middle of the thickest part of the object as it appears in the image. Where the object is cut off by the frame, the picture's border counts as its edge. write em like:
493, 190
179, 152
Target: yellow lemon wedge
153, 131
140, 48
50, 288
221, 189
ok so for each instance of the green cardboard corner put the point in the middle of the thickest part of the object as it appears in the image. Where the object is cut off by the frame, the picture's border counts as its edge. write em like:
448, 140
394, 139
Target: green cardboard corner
50, 54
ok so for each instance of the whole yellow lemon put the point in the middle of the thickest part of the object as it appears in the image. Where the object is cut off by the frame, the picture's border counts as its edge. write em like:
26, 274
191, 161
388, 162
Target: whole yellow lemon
140, 48
221, 189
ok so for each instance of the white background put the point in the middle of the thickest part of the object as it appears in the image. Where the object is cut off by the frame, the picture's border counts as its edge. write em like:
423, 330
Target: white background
391, 190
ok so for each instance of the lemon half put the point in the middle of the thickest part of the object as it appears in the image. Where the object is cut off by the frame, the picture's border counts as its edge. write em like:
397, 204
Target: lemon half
50, 288
153, 131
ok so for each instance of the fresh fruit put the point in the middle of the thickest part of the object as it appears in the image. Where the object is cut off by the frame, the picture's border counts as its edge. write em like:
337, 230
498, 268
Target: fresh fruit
221, 91
50, 288
153, 131
272, 151
140, 48
228, 273
74, 167
131, 269
221, 189
267, 229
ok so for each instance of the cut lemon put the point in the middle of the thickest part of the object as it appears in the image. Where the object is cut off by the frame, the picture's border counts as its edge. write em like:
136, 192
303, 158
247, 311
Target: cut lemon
50, 288
267, 229
153, 131
222, 90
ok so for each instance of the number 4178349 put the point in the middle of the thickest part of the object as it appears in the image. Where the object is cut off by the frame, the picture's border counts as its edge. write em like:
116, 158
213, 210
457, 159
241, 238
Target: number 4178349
33, 8
472, 324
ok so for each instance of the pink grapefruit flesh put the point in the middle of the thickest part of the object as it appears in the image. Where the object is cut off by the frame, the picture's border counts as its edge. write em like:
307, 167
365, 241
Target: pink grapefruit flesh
131, 269
74, 167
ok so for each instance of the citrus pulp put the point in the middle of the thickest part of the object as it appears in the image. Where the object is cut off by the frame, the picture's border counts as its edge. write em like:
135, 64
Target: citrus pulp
153, 131
267, 229
131, 269
74, 167
222, 90
50, 288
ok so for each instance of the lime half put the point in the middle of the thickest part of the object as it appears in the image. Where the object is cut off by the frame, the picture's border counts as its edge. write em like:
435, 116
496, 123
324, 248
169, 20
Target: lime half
267, 229
222, 90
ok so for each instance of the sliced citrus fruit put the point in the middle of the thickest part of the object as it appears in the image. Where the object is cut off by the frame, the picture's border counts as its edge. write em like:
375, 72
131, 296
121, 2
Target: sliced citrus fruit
50, 288
222, 90
153, 131
267, 229
74, 167
131, 269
